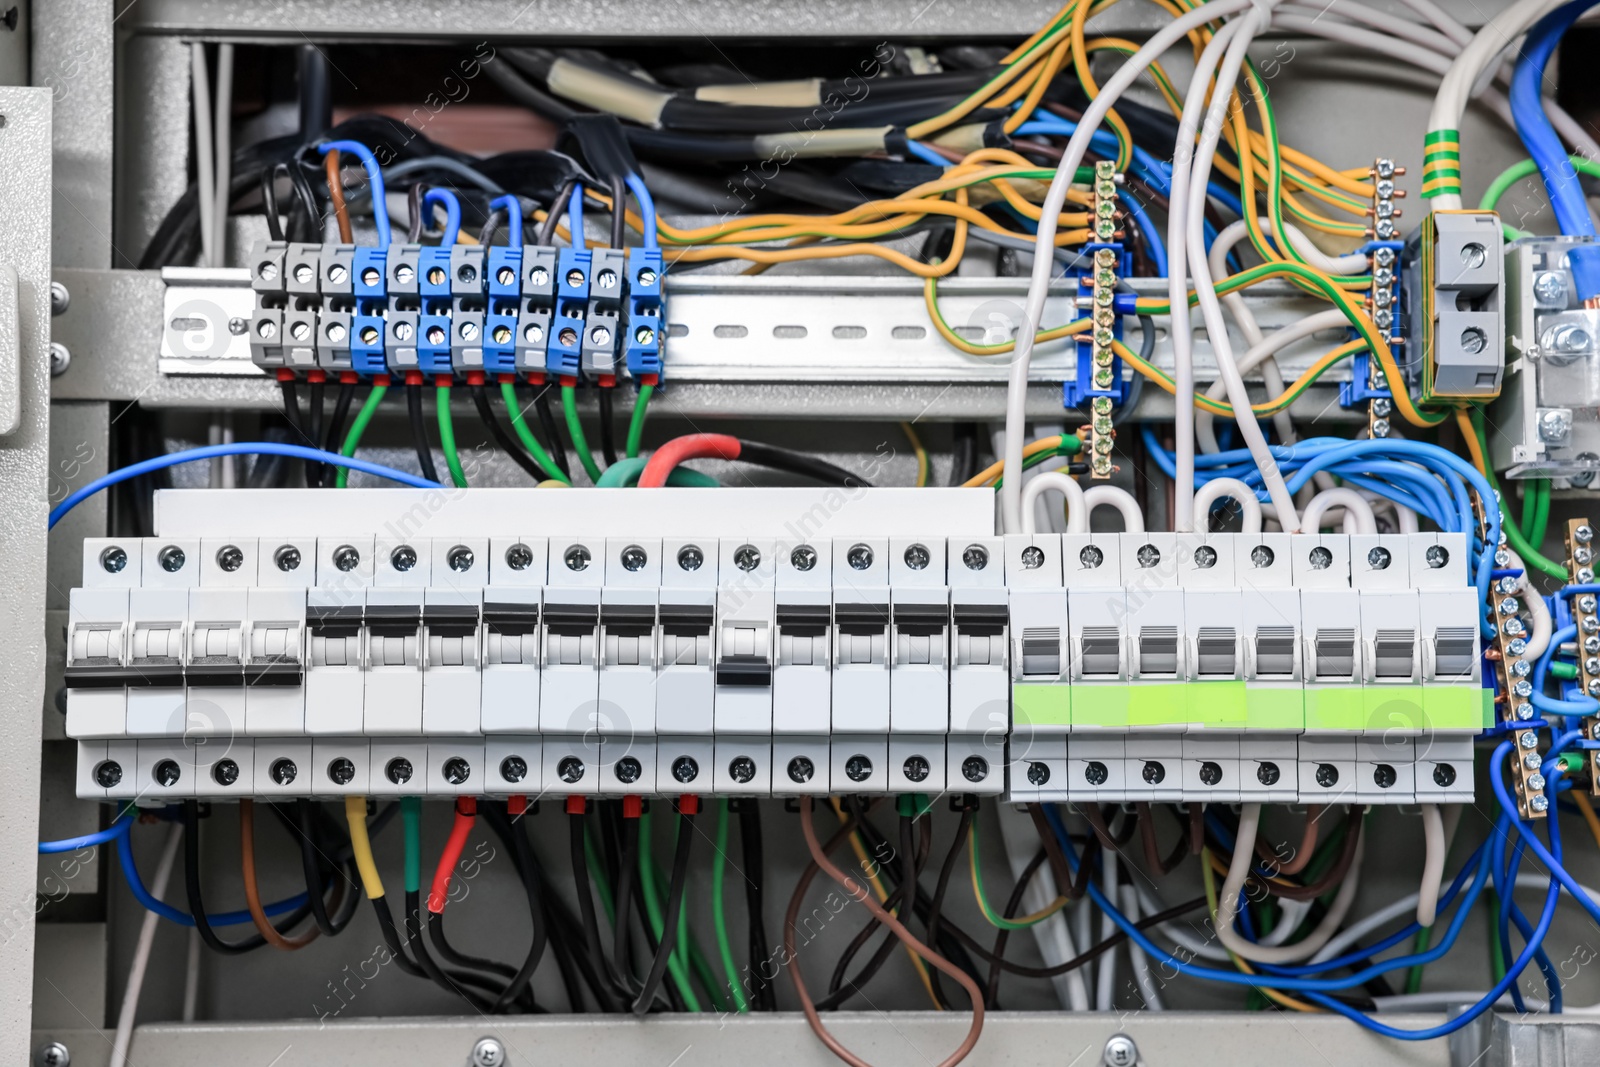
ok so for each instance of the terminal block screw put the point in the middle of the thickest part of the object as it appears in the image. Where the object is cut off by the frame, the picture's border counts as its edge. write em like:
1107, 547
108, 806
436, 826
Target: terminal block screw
171, 559
916, 768
225, 773
230, 558
628, 770
803, 558
403, 558
859, 557
685, 769
577, 558
346, 558
800, 770
634, 558
1148, 556
113, 559
747, 557
1205, 557
1539, 802
1268, 773
456, 770
283, 771
975, 768
1583, 535
1262, 556
742, 769
1551, 288
1033, 557
1038, 773
570, 769
513, 768
690, 558
341, 771
976, 557
1091, 557
287, 558
398, 770
917, 557
519, 557
1436, 556
108, 774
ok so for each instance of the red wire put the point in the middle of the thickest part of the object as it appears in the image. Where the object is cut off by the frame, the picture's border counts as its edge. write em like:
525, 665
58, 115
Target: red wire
466, 815
691, 446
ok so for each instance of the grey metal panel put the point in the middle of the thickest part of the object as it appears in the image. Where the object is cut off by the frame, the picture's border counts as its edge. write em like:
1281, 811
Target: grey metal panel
1543, 1041
24, 245
1041, 1039
73, 50
14, 34
153, 127
112, 327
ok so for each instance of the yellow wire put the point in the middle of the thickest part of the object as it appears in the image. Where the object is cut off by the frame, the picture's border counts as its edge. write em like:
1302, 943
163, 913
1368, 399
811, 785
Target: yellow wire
1464, 422
355, 813
983, 905
870, 869
994, 470
1245, 968
922, 453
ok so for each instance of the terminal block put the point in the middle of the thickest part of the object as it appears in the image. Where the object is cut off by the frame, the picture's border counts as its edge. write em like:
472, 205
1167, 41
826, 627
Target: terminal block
1087, 667
532, 309
1456, 304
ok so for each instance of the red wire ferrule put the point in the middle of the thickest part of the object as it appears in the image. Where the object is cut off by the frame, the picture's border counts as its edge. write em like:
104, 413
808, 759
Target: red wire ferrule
466, 814
317, 376
632, 806
577, 805
689, 804
443, 381
413, 377
285, 374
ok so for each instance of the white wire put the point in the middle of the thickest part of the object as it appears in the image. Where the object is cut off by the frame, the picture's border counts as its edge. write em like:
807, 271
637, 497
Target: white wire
1294, 912
1053, 937
141, 953
1050, 212
1110, 496
1392, 25
1538, 610
224, 154
1061, 482
1181, 321
1498, 34
191, 977
1433, 850
1244, 850
1105, 997
1343, 496
1235, 490
205, 158
1210, 307
1149, 992
1261, 353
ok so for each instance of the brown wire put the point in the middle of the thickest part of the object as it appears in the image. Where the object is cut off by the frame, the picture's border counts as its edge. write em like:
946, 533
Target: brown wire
252, 894
1335, 875
1197, 828
1074, 888
861, 894
330, 163
1308, 845
1152, 851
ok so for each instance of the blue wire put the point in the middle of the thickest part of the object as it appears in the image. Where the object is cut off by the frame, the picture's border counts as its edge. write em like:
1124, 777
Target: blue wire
1508, 805
1152, 236
513, 209
380, 208
926, 154
130, 871
575, 215
647, 209
1548, 704
452, 213
121, 826
238, 448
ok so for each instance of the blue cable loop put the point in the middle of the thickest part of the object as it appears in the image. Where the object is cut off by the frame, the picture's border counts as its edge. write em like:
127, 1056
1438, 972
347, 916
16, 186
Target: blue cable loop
118, 828
130, 872
647, 209
238, 448
452, 213
513, 209
575, 215
1546, 856
380, 208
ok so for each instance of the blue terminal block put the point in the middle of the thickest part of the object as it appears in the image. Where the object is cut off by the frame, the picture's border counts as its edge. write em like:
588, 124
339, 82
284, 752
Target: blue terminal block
500, 320
433, 343
368, 286
564, 356
1388, 317
1082, 386
641, 343
366, 344
433, 281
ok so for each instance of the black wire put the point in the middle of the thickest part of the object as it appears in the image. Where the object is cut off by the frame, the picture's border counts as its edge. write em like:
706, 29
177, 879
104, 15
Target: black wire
291, 414
964, 453
391, 938
608, 440
514, 449
558, 208
269, 202
197, 904
621, 965
491, 226
314, 431
458, 959
419, 433
414, 204
797, 463
763, 995
552, 437
451, 983
310, 206
669, 922
522, 856
554, 914
619, 214
333, 438
310, 863
591, 922
936, 906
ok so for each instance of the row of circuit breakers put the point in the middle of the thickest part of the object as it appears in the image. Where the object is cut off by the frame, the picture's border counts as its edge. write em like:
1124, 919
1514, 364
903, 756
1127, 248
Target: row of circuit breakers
1114, 666
531, 309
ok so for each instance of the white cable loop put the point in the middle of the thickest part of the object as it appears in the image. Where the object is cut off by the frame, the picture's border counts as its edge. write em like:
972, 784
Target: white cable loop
1111, 496
1353, 503
1065, 484
1231, 489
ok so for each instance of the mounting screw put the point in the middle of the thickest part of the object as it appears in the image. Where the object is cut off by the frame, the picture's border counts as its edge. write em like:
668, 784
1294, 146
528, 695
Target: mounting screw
238, 326
1554, 425
59, 298
60, 359
1120, 1051
1551, 288
488, 1052
53, 1054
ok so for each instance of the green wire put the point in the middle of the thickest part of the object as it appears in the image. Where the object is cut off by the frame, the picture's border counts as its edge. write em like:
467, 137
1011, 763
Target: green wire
1516, 172
719, 865
508, 393
1414, 976
1063, 449
1531, 556
411, 814
688, 950
641, 407
624, 474
1530, 506
447, 436
654, 907
1541, 517
357, 428
580, 443
1565, 671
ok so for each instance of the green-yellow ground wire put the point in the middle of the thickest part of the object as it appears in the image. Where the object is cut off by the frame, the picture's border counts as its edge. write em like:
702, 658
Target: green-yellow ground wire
508, 393
580, 443
447, 436
1531, 556
357, 428
719, 865
641, 407
996, 920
